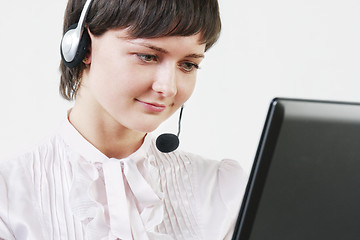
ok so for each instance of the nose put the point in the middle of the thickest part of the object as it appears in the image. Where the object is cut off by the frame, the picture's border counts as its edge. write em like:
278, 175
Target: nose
165, 81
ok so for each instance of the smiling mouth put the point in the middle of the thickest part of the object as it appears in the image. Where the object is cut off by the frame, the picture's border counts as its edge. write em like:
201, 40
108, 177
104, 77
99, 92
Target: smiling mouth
152, 107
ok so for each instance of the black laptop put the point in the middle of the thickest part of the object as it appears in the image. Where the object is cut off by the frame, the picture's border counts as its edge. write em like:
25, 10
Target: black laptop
305, 181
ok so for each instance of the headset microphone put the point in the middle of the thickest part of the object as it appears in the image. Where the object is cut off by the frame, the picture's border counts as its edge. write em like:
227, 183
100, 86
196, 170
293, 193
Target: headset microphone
75, 41
169, 142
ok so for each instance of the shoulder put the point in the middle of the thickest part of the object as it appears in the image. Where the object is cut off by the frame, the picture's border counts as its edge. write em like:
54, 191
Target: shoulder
23, 166
225, 177
225, 170
24, 179
219, 186
21, 175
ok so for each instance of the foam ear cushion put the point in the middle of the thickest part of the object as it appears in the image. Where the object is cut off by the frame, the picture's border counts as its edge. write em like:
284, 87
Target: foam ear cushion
81, 51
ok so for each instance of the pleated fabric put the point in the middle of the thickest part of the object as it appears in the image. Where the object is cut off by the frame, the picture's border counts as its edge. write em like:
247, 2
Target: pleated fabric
67, 189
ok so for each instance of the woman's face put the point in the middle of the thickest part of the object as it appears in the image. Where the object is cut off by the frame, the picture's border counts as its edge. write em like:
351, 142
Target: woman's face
138, 83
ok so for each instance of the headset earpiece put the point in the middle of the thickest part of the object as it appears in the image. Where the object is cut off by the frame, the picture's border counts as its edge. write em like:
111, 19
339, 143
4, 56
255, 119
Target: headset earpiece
76, 40
81, 50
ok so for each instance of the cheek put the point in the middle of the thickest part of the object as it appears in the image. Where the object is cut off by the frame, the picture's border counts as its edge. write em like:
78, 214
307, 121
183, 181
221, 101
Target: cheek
117, 81
185, 89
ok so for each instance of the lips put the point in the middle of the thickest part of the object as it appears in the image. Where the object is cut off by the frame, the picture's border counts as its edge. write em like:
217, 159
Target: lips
152, 107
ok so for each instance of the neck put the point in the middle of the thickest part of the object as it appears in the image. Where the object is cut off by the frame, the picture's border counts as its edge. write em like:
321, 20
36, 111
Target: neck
103, 131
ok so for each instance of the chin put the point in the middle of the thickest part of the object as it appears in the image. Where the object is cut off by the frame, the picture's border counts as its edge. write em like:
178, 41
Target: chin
148, 123
146, 128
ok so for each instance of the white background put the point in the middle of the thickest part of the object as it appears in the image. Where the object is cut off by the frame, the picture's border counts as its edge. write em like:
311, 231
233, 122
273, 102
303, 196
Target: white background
286, 48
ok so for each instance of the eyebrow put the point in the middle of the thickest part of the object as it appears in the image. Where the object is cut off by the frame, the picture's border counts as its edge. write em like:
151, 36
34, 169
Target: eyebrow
164, 51
194, 55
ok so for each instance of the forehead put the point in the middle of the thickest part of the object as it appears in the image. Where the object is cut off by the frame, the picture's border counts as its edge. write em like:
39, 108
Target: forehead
189, 43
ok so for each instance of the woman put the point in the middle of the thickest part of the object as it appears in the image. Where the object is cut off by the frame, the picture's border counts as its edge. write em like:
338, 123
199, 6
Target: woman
100, 175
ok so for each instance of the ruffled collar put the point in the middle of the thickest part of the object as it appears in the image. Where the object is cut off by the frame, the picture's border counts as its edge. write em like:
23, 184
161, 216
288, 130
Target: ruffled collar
113, 198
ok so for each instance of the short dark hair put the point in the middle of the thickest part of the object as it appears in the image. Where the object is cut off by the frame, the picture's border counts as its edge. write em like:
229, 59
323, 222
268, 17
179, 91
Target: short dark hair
143, 19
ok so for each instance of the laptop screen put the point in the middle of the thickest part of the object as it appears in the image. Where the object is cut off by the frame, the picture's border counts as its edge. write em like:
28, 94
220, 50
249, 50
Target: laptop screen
305, 182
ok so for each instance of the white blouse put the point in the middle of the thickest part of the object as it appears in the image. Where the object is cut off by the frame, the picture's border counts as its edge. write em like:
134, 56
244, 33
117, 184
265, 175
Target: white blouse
67, 189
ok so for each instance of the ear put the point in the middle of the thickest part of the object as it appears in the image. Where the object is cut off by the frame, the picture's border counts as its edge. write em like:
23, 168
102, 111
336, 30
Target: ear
87, 57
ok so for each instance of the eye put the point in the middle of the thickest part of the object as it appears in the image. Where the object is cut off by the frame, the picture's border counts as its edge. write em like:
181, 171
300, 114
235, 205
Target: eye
188, 66
148, 58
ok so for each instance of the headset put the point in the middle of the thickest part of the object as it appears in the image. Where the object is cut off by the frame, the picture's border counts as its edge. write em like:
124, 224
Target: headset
75, 41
